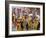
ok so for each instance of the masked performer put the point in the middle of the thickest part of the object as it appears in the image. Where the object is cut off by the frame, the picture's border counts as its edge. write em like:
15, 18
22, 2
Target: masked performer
19, 24
30, 21
24, 23
36, 22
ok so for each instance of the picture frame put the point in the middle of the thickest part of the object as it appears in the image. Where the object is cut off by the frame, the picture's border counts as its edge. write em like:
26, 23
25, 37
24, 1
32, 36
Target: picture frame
36, 6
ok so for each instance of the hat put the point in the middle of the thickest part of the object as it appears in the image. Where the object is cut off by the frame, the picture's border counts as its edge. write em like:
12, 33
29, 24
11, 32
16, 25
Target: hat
30, 15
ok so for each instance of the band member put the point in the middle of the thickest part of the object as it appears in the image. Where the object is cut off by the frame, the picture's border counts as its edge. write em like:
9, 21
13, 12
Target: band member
30, 21
36, 22
18, 24
24, 23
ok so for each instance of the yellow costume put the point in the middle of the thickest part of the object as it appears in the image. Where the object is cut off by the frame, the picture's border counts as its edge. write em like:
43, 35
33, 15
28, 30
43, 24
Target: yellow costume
24, 23
30, 21
36, 21
18, 24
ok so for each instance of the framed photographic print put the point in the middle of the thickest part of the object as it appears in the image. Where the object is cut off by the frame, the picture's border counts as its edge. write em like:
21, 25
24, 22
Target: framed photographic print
24, 18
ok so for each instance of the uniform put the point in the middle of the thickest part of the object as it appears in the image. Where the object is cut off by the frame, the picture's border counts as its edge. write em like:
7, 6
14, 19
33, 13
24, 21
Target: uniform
19, 24
36, 22
30, 22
